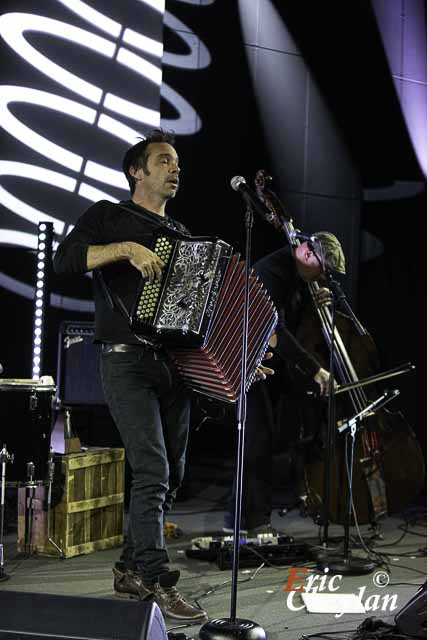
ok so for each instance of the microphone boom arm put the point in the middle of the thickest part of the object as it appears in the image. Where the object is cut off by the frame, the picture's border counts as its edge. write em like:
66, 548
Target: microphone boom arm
405, 368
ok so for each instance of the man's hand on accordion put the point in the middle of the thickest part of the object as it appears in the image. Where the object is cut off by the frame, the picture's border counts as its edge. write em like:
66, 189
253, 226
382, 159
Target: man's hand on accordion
146, 261
262, 372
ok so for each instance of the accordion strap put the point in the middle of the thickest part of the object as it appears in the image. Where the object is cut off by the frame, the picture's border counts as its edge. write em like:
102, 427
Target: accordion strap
113, 299
173, 227
115, 302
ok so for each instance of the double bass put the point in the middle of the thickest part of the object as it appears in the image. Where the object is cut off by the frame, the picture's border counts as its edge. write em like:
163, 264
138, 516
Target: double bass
381, 484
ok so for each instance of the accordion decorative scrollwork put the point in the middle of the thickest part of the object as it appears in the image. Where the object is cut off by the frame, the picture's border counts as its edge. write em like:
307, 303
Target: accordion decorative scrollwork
196, 311
177, 310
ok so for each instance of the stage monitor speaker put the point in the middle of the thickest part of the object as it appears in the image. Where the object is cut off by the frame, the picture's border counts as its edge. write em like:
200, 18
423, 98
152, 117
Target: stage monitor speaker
42, 616
78, 376
411, 620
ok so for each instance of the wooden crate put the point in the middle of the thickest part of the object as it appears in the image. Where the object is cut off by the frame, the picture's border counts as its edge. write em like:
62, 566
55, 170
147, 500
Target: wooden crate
90, 515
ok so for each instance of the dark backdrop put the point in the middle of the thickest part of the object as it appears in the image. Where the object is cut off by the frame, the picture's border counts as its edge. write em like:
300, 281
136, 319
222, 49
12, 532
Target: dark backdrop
347, 65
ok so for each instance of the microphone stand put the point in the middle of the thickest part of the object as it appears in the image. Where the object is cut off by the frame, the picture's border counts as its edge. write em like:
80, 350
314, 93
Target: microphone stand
334, 563
233, 627
5, 457
348, 564
335, 287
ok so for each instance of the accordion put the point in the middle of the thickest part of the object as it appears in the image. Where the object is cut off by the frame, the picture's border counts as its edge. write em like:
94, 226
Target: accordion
196, 312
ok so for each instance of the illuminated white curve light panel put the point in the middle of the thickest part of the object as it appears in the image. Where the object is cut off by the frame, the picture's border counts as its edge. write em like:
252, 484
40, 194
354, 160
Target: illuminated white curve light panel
94, 17
81, 100
12, 27
34, 140
203, 3
159, 5
199, 56
113, 28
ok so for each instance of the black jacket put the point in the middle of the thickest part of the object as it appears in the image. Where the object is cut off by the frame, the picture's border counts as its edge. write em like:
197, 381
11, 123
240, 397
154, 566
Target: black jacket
104, 223
289, 293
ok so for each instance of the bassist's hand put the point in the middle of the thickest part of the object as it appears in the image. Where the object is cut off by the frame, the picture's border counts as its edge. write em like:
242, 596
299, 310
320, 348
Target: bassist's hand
262, 371
322, 379
323, 296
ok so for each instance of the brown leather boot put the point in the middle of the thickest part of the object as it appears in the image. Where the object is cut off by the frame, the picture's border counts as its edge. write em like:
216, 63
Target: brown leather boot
171, 602
128, 584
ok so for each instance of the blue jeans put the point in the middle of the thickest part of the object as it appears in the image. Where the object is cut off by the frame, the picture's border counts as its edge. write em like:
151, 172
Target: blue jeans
151, 409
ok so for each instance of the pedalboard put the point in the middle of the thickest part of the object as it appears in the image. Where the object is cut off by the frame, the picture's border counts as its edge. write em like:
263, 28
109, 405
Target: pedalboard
277, 550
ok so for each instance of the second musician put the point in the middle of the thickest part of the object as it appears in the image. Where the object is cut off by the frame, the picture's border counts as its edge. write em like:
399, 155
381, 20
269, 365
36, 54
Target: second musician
285, 274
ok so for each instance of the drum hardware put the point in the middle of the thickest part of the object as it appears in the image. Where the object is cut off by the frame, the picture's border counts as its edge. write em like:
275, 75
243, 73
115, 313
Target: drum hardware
67, 424
72, 443
5, 457
64, 440
33, 401
30, 489
50, 473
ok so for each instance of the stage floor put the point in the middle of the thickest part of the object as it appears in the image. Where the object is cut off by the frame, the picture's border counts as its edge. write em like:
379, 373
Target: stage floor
262, 595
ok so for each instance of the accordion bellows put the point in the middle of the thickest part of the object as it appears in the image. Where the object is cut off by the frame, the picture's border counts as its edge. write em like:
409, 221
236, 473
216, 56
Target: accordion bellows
196, 311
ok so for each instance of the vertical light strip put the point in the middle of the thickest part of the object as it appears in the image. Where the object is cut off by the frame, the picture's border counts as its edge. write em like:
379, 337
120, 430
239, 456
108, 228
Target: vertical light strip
41, 293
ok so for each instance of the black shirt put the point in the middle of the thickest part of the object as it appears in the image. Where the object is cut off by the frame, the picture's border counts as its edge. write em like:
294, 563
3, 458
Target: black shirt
289, 292
104, 223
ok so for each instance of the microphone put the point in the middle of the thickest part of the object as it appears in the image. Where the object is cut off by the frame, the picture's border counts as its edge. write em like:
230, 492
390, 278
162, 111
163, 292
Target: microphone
295, 234
238, 183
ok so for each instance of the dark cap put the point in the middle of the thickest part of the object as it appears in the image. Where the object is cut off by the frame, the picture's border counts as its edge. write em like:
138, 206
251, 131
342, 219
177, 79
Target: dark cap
332, 250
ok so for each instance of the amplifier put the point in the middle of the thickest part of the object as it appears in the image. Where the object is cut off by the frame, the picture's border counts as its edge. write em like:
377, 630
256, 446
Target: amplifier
78, 376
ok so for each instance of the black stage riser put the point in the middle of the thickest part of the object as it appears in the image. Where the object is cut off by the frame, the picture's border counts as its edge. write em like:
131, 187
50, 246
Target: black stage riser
40, 616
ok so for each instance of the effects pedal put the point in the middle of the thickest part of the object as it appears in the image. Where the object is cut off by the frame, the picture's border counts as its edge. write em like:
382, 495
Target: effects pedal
272, 548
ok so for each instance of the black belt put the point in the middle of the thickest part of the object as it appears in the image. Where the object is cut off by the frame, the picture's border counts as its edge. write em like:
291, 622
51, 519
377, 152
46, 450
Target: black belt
122, 348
